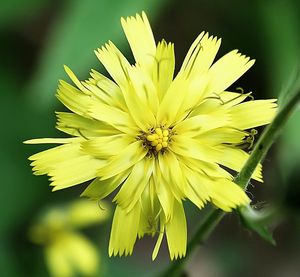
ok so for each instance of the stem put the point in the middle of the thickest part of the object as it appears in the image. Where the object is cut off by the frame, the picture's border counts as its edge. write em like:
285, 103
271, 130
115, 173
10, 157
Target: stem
262, 146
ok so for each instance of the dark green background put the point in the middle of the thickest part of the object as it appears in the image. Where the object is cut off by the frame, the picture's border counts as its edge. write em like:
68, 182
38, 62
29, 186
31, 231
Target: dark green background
39, 36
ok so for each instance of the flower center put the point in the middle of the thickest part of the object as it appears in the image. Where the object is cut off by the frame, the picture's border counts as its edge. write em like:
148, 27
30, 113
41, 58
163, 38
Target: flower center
158, 139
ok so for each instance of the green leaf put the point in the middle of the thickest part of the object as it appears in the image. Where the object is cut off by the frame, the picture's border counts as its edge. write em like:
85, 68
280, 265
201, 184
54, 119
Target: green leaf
82, 27
257, 221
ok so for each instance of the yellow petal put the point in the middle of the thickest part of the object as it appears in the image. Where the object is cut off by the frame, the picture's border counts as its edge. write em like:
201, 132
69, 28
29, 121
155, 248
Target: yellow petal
188, 147
75, 171
66, 165
193, 96
208, 106
176, 232
112, 116
57, 261
197, 189
194, 126
114, 62
81, 253
77, 125
160, 237
75, 80
226, 195
150, 211
172, 174
106, 146
71, 253
135, 184
105, 90
191, 53
99, 189
200, 56
222, 135
164, 193
164, 66
143, 89
124, 231
124, 160
253, 113
134, 94
140, 37
51, 140
172, 101
44, 161
226, 71
206, 168
233, 98
73, 99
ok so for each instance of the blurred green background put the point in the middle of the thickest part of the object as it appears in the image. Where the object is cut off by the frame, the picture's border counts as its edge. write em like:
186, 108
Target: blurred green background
39, 36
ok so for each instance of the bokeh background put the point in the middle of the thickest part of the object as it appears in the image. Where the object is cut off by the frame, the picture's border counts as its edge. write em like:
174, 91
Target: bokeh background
39, 36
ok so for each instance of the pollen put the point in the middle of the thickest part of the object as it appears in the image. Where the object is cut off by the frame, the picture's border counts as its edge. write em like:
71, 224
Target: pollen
158, 139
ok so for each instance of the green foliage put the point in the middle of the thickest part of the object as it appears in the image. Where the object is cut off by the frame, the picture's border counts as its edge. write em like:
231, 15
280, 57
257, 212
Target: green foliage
257, 221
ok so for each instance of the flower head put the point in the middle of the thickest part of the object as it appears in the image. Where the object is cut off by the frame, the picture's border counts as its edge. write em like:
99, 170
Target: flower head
160, 139
68, 252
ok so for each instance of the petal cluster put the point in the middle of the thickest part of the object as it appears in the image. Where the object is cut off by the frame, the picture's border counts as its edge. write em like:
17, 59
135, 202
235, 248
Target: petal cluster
67, 251
156, 138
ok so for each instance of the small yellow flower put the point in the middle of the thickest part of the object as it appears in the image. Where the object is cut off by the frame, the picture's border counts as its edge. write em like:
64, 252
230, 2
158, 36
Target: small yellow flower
67, 252
160, 139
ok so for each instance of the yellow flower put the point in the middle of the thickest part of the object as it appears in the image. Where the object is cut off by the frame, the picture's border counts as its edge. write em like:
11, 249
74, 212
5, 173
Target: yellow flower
67, 252
160, 139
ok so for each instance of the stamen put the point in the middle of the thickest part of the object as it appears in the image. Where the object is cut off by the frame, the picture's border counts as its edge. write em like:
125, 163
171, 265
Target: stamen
154, 143
158, 147
157, 139
240, 89
248, 141
158, 131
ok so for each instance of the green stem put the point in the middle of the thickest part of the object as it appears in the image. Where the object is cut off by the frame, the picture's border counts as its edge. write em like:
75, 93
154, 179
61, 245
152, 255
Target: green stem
262, 146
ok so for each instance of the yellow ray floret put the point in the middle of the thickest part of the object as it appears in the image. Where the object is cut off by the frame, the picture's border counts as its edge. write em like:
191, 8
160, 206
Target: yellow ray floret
140, 37
163, 68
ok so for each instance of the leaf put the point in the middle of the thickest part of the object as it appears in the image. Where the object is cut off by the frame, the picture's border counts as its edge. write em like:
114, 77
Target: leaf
257, 221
